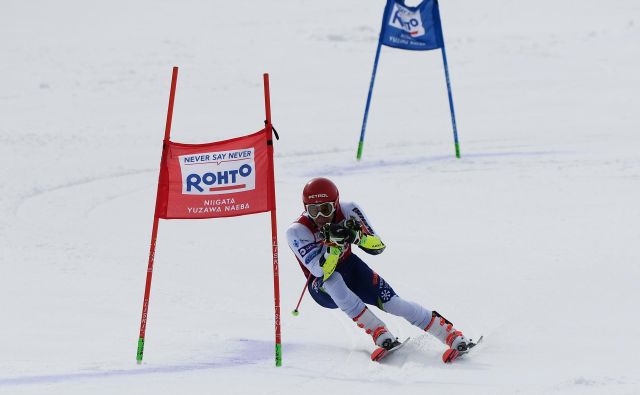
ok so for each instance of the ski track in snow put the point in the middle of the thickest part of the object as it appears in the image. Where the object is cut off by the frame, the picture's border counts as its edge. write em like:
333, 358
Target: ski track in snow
56, 378
252, 352
391, 165
386, 165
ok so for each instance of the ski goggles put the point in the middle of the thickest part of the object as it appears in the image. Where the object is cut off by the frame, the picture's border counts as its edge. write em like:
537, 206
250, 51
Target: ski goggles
324, 209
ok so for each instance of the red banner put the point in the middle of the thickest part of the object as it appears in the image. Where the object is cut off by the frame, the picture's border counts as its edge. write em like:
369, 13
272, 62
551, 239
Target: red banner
221, 179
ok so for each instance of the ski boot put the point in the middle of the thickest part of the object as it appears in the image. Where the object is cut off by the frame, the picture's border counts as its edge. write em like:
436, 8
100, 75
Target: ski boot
444, 331
375, 327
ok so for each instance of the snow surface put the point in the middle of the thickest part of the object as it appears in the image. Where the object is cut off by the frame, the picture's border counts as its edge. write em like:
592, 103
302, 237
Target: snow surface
530, 239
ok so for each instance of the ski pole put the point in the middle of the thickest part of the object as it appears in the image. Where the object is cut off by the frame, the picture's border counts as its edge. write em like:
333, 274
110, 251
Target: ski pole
295, 312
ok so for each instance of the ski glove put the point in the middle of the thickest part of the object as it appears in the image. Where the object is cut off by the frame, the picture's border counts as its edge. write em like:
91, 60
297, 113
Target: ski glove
371, 244
336, 234
355, 230
329, 261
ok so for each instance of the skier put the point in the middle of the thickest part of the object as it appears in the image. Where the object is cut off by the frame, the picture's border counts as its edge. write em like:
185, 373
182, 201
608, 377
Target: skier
321, 240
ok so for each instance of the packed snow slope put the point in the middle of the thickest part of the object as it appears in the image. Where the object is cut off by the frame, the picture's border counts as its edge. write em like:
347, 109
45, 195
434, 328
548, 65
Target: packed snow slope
530, 239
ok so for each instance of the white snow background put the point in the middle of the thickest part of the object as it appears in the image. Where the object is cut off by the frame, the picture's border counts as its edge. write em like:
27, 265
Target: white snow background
531, 238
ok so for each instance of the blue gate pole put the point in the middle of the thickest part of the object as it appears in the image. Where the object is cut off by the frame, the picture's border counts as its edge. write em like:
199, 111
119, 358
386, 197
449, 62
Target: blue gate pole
453, 113
446, 75
366, 109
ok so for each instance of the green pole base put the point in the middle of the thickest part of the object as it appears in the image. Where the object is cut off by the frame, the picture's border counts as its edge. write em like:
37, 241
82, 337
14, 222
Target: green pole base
360, 145
457, 151
140, 350
278, 355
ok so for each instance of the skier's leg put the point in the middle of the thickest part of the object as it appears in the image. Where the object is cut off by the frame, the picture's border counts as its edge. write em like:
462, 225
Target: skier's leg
343, 297
429, 321
355, 308
318, 294
373, 289
410, 311
367, 284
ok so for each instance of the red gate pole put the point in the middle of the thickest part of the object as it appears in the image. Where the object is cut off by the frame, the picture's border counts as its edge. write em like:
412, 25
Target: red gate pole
156, 220
274, 226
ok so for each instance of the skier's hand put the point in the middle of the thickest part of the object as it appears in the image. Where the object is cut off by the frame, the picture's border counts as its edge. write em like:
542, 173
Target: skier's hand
329, 261
335, 234
355, 230
371, 244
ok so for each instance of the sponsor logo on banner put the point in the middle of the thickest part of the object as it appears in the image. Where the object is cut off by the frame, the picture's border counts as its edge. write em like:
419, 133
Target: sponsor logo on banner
404, 19
213, 173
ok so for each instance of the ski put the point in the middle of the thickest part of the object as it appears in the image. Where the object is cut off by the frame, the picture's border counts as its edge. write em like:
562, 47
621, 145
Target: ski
451, 354
380, 353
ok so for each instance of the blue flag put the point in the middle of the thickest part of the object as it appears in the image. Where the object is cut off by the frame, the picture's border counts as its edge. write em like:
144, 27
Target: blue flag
415, 28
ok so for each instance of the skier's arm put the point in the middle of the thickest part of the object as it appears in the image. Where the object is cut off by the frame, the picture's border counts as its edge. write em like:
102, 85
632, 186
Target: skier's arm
364, 235
306, 248
371, 244
329, 261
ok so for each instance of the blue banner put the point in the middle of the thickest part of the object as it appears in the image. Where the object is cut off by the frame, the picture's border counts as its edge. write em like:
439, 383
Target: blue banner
414, 28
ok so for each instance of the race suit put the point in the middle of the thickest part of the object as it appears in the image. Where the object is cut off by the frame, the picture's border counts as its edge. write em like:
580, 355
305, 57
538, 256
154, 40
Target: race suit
353, 284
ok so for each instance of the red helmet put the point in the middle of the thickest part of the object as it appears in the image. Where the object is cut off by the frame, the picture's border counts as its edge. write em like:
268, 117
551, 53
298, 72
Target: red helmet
320, 190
